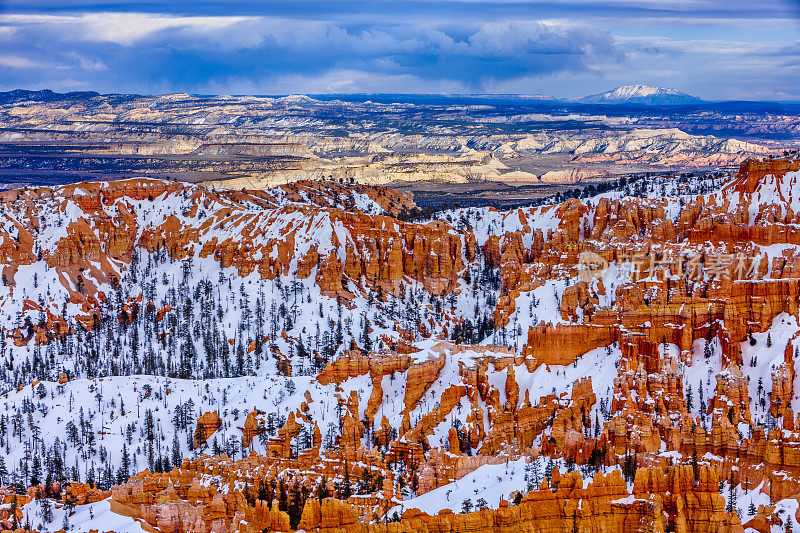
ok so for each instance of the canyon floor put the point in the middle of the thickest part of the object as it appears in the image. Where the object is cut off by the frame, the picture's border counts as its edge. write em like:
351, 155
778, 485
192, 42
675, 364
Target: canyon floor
239, 142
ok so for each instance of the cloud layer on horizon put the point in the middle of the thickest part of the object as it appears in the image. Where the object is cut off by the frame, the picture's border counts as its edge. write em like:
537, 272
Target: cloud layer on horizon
556, 49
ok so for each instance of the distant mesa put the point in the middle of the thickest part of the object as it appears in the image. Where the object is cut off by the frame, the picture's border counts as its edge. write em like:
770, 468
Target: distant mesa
640, 95
46, 95
529, 97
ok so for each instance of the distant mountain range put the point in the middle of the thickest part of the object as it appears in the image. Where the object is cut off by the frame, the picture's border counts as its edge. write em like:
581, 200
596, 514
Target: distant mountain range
46, 95
640, 95
622, 95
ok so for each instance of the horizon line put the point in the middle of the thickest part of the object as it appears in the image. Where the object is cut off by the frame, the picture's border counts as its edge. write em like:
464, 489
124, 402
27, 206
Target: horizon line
540, 97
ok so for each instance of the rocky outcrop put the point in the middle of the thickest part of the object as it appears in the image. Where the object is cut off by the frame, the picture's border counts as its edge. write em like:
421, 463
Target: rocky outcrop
207, 424
690, 500
253, 426
562, 344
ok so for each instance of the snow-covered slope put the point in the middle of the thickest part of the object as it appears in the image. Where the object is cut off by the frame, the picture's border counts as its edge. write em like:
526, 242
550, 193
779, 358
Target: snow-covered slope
640, 94
433, 365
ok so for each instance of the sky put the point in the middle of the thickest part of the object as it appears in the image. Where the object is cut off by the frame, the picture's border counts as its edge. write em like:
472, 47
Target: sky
715, 49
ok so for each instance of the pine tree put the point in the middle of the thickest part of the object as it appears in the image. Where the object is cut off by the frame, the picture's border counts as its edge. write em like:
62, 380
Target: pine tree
689, 399
125, 462
731, 495
13, 511
47, 510
346, 489
36, 470
150, 436
283, 499
176, 450
537, 476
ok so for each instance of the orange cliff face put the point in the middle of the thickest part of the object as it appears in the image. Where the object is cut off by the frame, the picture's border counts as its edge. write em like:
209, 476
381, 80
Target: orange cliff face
642, 351
87, 235
270, 234
508, 425
602, 503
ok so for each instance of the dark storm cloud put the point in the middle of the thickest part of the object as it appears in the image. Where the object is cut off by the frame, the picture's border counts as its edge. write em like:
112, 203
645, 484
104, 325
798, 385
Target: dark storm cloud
318, 9
169, 51
566, 48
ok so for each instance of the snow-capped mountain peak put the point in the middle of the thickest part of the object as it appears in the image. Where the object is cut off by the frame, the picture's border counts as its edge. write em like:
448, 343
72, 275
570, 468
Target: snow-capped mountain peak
634, 91
640, 94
